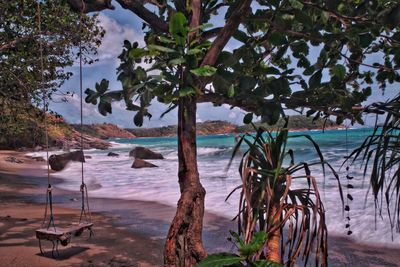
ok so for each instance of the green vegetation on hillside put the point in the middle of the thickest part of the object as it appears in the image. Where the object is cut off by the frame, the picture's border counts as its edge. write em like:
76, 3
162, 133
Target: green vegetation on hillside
297, 122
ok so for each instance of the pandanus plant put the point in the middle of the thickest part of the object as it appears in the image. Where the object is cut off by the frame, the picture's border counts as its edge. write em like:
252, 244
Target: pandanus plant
379, 154
280, 197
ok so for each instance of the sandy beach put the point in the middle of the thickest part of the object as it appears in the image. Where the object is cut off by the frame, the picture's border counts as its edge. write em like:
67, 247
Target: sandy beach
127, 233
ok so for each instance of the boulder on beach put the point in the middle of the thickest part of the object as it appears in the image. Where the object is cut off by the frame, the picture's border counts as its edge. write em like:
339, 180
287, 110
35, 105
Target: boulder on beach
58, 162
112, 154
139, 163
144, 153
13, 160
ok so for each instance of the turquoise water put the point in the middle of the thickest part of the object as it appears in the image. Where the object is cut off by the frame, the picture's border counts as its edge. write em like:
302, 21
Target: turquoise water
114, 177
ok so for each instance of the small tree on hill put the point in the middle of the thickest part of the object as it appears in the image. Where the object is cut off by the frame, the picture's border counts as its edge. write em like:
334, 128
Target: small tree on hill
292, 54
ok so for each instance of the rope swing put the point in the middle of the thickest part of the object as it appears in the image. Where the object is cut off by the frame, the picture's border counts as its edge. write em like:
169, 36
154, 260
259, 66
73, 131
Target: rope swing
48, 230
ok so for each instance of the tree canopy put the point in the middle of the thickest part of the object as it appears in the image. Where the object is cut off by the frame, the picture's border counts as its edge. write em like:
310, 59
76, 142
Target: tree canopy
326, 56
21, 83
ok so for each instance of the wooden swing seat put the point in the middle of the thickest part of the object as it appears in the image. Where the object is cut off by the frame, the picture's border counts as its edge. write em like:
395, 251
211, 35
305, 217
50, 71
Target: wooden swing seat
62, 234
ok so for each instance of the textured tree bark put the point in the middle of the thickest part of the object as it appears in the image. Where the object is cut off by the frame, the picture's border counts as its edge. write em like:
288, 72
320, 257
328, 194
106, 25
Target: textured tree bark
184, 246
274, 238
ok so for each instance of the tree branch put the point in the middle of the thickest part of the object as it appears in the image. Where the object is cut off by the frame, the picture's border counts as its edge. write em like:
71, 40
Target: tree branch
90, 6
136, 6
231, 25
211, 33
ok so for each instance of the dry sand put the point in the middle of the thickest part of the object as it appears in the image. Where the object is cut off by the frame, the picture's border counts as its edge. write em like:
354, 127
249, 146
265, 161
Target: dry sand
127, 233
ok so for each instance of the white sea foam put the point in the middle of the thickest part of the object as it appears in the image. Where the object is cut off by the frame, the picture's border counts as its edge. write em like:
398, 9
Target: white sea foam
113, 177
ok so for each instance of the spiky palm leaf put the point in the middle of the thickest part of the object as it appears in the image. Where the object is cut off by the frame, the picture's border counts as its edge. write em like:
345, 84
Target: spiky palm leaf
271, 197
380, 157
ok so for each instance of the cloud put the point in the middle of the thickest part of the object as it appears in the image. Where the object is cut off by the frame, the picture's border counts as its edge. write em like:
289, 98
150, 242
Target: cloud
114, 38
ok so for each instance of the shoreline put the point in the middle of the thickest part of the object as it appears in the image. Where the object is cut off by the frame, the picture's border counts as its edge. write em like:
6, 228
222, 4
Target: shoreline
22, 193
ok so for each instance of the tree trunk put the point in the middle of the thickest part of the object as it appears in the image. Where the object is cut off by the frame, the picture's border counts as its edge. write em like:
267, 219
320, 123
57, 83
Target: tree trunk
184, 246
274, 238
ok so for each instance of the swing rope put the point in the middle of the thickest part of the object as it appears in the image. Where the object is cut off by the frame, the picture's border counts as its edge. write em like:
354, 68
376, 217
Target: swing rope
85, 208
49, 198
83, 187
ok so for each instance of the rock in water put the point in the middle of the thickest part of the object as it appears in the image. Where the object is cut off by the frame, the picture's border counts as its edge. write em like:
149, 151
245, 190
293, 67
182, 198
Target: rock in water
58, 162
112, 154
139, 163
144, 153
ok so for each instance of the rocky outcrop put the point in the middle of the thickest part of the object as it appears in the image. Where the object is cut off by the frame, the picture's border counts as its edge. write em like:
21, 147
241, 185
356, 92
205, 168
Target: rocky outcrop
104, 131
144, 153
73, 141
59, 162
140, 163
112, 154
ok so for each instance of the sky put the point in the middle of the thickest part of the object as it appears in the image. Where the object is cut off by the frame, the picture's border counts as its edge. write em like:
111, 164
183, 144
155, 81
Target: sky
120, 25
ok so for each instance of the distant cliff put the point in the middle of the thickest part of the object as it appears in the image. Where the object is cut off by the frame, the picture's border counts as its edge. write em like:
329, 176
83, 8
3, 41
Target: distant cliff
203, 128
297, 123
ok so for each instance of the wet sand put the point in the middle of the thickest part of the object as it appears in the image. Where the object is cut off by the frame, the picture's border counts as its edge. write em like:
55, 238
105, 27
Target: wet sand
127, 233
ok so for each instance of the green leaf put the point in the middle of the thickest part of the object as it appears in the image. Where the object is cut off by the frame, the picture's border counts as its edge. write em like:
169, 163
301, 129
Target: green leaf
91, 96
138, 119
310, 70
194, 51
296, 4
161, 48
247, 83
141, 74
220, 260
178, 28
104, 107
339, 71
231, 91
248, 118
315, 80
166, 40
102, 87
271, 70
277, 38
265, 263
204, 71
176, 61
257, 242
270, 112
186, 91
202, 27
279, 87
137, 53
115, 95
241, 36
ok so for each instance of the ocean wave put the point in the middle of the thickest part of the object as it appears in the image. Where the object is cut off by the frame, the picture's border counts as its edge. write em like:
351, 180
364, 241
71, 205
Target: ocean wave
107, 175
201, 151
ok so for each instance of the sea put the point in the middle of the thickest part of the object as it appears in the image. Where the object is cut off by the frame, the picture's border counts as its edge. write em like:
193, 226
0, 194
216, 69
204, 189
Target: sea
113, 177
